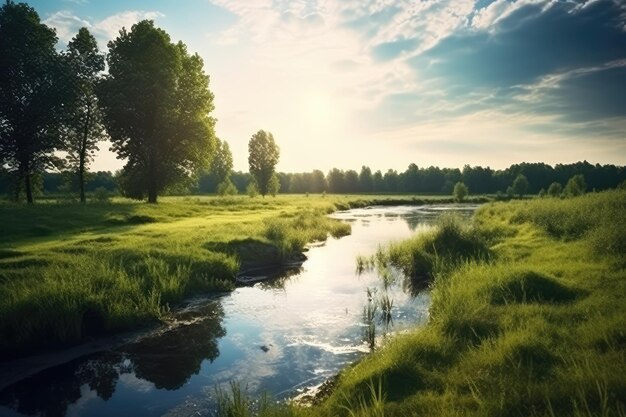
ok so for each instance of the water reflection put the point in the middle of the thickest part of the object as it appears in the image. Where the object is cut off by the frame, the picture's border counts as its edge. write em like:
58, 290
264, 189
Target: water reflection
160, 359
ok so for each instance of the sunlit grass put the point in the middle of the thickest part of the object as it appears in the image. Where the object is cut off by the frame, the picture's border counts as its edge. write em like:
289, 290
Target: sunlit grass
534, 329
68, 271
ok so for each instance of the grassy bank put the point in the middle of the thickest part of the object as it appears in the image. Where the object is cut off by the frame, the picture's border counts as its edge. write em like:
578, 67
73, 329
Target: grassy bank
69, 271
527, 318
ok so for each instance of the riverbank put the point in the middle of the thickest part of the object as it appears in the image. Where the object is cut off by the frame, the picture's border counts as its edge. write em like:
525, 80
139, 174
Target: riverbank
535, 328
70, 273
527, 318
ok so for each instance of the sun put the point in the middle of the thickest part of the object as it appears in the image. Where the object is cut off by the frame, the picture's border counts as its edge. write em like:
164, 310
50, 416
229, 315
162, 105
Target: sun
318, 111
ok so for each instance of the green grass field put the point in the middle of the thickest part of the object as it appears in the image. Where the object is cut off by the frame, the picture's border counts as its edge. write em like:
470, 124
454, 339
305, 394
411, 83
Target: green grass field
69, 271
527, 319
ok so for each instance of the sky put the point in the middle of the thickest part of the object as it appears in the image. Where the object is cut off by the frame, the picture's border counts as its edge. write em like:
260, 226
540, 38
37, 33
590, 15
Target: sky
386, 83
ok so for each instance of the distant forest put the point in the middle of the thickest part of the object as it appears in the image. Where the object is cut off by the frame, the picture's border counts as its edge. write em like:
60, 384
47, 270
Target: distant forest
414, 180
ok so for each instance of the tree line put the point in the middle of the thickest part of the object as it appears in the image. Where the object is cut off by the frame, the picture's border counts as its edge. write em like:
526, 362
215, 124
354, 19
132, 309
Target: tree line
431, 180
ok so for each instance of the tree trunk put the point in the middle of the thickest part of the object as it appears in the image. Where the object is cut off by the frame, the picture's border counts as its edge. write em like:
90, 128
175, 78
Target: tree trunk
152, 196
28, 186
82, 156
152, 187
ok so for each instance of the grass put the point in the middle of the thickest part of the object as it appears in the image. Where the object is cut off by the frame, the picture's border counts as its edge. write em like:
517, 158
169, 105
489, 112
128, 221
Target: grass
71, 271
527, 318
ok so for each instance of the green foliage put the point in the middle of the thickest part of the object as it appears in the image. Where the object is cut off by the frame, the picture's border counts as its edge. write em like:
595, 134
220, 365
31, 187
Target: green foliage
252, 189
542, 193
263, 154
101, 195
222, 162
169, 136
83, 124
510, 191
575, 186
34, 89
555, 189
460, 191
227, 188
274, 185
520, 185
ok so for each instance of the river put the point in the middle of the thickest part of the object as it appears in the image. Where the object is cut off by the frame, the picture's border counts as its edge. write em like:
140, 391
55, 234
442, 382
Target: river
280, 336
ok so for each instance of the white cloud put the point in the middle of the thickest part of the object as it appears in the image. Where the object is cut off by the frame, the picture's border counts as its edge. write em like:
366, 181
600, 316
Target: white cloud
111, 26
67, 24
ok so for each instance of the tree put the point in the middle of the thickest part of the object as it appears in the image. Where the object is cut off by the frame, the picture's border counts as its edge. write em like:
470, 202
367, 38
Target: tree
366, 182
263, 157
226, 187
156, 102
273, 186
520, 185
351, 181
83, 127
460, 191
575, 186
222, 162
335, 179
33, 92
555, 189
318, 181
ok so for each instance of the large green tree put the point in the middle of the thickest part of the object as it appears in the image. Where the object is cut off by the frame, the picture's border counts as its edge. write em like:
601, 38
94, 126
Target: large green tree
156, 102
33, 92
262, 159
84, 126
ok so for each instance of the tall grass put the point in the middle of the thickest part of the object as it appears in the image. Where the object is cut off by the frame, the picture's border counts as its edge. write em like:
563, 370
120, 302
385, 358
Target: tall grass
73, 271
526, 318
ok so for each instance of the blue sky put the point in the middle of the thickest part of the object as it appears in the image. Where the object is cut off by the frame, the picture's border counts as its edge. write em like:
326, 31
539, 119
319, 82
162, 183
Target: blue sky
343, 83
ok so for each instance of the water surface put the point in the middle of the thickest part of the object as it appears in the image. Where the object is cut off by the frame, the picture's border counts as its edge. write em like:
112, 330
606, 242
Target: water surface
280, 336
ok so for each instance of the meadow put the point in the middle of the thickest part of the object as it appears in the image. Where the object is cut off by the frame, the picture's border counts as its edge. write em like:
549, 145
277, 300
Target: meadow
527, 319
69, 272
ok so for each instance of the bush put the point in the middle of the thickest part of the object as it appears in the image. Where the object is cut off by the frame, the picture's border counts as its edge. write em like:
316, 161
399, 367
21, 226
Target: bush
252, 189
555, 189
101, 195
460, 191
575, 186
227, 187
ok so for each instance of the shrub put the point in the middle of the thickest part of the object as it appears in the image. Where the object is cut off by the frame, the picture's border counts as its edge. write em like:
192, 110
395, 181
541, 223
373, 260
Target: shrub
460, 191
252, 189
101, 195
227, 187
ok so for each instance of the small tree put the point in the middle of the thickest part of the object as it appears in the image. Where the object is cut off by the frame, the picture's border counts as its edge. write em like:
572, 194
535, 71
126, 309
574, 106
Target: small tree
575, 186
222, 162
555, 189
83, 127
263, 157
273, 186
520, 185
510, 192
226, 187
460, 191
542, 193
252, 189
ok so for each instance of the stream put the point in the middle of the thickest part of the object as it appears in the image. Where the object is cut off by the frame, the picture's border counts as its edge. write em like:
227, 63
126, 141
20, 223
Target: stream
281, 336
